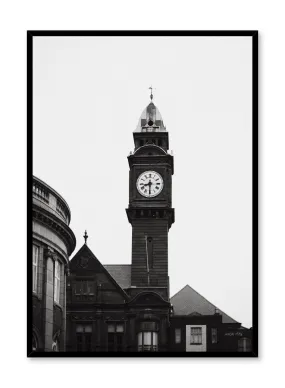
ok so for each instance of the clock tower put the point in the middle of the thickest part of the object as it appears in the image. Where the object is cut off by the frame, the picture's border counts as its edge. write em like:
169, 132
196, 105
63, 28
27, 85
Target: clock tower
150, 209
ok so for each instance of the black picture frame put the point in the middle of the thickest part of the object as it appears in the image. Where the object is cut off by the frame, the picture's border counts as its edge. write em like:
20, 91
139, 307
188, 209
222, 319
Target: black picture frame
212, 33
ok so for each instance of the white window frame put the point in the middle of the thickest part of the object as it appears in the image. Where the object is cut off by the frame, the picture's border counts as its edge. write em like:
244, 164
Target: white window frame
35, 267
57, 270
196, 335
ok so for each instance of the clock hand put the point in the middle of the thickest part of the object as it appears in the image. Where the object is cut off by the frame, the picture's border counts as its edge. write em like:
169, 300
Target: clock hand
149, 185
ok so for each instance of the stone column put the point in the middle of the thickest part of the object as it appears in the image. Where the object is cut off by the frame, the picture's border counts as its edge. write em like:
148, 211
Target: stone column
48, 300
63, 275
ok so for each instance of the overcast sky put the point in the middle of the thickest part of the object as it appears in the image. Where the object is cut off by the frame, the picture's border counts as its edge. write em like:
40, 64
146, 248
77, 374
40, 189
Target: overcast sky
89, 93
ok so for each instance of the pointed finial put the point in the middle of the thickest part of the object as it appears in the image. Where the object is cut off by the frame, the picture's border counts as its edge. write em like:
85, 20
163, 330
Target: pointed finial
151, 95
85, 237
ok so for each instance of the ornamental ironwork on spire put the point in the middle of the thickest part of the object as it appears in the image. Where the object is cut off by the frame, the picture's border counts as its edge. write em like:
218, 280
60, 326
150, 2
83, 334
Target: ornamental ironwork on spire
85, 236
150, 119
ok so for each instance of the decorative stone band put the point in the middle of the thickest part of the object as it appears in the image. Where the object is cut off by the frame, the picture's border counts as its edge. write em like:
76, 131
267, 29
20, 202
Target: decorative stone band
148, 326
58, 226
82, 318
157, 213
51, 198
148, 315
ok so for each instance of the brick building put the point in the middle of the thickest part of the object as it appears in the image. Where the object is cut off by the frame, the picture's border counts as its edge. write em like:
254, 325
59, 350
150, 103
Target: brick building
113, 308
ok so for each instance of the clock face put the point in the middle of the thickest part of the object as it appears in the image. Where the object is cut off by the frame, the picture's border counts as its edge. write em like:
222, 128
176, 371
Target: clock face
149, 184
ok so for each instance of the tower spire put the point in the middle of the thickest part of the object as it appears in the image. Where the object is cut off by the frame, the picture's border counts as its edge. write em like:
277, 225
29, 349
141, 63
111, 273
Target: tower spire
151, 95
85, 236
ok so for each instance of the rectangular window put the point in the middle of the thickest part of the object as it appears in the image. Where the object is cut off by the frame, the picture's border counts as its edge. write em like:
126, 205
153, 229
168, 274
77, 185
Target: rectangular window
84, 287
84, 338
244, 345
35, 267
178, 336
196, 336
214, 335
56, 281
115, 337
147, 341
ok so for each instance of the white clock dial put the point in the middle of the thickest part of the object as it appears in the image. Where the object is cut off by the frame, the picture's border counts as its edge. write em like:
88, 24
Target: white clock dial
149, 184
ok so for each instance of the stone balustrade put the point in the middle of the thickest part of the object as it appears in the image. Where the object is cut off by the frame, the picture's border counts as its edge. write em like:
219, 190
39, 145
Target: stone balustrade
50, 200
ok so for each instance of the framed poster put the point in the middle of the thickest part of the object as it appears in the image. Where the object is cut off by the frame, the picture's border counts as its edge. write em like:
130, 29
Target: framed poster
155, 261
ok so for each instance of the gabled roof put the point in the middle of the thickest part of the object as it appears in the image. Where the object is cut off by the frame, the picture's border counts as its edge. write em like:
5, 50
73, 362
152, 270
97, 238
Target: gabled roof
121, 273
188, 301
82, 259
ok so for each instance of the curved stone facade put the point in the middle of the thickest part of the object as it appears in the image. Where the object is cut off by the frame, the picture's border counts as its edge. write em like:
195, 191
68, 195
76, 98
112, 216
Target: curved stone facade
53, 243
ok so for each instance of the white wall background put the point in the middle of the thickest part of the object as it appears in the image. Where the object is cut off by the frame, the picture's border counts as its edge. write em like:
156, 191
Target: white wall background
18, 16
88, 95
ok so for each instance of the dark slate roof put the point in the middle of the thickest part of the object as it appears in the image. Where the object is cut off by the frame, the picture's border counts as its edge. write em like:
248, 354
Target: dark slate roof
188, 301
121, 273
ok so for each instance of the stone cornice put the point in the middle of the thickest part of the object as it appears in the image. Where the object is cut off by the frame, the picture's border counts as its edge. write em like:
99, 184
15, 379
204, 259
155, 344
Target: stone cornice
55, 193
57, 226
151, 212
51, 244
48, 198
